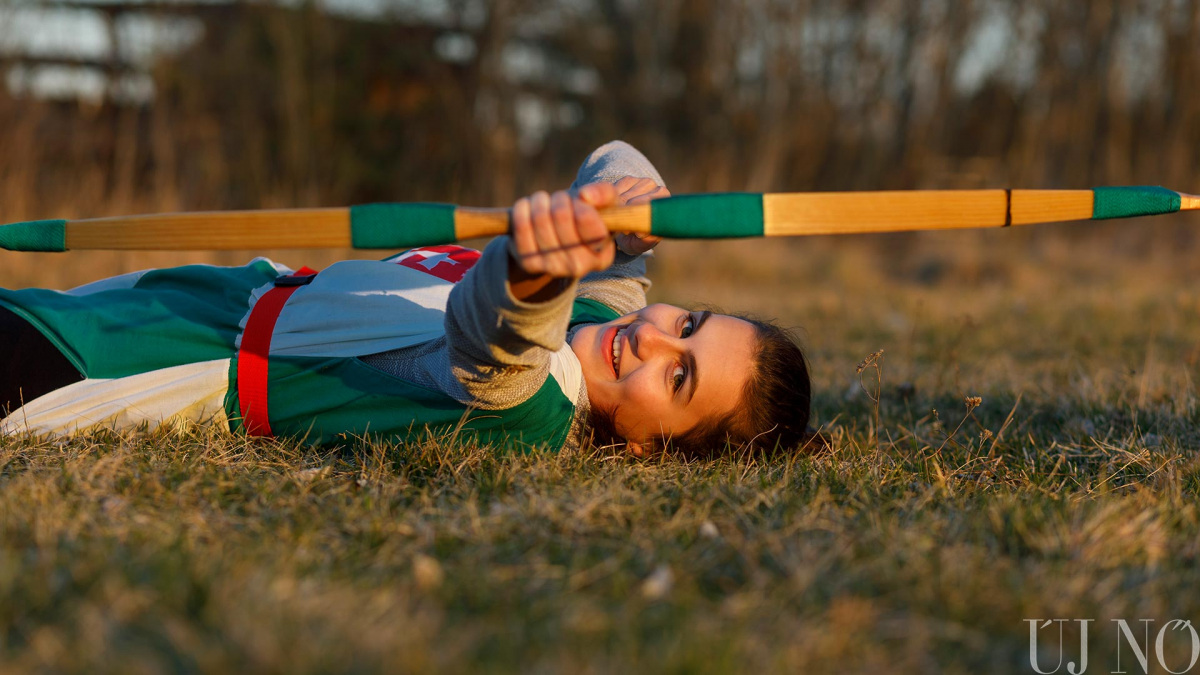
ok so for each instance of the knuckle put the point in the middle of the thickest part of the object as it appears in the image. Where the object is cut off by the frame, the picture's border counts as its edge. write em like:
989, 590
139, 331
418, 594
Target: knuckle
562, 211
520, 239
586, 222
541, 217
593, 231
590, 260
520, 212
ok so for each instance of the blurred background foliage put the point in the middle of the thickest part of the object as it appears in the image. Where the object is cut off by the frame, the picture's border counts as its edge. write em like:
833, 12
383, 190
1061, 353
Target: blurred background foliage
122, 107
244, 105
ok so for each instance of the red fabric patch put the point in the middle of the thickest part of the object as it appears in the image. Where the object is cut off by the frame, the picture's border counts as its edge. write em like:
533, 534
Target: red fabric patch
253, 357
448, 262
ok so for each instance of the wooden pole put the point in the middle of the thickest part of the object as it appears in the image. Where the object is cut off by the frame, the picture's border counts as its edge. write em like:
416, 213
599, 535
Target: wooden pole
207, 230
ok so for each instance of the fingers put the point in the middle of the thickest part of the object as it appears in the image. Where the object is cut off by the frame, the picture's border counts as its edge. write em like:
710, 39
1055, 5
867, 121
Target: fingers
544, 232
658, 192
566, 238
639, 191
559, 236
574, 256
629, 190
594, 236
636, 244
523, 240
632, 190
626, 184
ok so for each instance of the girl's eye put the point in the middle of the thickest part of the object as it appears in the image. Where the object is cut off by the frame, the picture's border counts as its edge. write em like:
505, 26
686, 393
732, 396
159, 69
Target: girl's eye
678, 377
688, 327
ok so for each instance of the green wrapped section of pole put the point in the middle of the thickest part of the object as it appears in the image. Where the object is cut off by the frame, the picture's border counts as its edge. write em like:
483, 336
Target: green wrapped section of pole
401, 225
1128, 202
35, 235
715, 216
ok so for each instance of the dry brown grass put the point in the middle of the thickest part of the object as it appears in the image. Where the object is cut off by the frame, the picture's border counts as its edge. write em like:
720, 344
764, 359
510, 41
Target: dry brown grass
919, 544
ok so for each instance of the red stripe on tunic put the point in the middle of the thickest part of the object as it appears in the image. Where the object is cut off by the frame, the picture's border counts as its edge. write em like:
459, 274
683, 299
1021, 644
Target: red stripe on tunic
254, 357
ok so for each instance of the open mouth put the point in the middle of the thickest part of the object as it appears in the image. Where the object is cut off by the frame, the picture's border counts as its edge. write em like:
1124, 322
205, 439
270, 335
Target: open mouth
612, 348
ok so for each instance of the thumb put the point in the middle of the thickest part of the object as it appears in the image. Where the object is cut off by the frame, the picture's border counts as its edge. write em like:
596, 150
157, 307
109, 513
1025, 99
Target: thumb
599, 195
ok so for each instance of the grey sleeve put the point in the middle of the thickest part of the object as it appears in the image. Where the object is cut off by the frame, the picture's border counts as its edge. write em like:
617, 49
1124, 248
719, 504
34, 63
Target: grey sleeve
613, 161
499, 347
624, 284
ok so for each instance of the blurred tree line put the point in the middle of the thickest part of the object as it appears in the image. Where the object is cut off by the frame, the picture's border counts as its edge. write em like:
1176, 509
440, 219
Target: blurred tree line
473, 102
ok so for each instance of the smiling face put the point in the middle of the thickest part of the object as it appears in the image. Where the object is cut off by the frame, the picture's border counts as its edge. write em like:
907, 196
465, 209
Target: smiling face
663, 369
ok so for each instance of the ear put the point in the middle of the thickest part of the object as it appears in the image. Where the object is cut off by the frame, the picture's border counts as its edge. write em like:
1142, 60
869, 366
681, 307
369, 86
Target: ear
636, 449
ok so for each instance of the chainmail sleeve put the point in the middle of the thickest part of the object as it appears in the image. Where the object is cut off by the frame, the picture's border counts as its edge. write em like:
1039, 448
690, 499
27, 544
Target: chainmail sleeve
624, 284
499, 347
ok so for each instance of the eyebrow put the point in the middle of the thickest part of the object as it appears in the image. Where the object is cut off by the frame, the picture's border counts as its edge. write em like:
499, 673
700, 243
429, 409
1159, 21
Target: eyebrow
690, 358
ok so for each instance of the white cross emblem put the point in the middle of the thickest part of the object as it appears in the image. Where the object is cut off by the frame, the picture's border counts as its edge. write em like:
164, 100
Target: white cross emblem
432, 261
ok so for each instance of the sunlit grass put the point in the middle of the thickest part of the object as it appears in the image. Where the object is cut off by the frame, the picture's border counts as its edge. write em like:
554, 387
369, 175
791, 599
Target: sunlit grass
919, 543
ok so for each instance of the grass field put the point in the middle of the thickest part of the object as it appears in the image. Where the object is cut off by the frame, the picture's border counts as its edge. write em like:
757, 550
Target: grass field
919, 543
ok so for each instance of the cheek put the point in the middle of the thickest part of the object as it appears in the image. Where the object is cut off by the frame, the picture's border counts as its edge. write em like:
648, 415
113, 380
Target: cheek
636, 399
635, 422
646, 392
643, 413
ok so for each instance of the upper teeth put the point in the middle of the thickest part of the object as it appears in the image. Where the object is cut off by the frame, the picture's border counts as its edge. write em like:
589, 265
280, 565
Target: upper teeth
616, 350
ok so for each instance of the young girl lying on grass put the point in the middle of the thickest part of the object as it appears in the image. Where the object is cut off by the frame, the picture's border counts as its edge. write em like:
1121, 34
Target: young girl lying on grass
543, 339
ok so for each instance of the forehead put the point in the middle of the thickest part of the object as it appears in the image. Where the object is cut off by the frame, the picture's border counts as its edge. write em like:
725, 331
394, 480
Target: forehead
723, 349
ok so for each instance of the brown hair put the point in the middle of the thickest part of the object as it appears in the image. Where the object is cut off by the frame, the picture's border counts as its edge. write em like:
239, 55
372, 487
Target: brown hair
774, 408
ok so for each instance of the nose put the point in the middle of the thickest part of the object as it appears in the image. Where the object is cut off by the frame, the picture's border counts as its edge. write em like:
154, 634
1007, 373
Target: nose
647, 341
